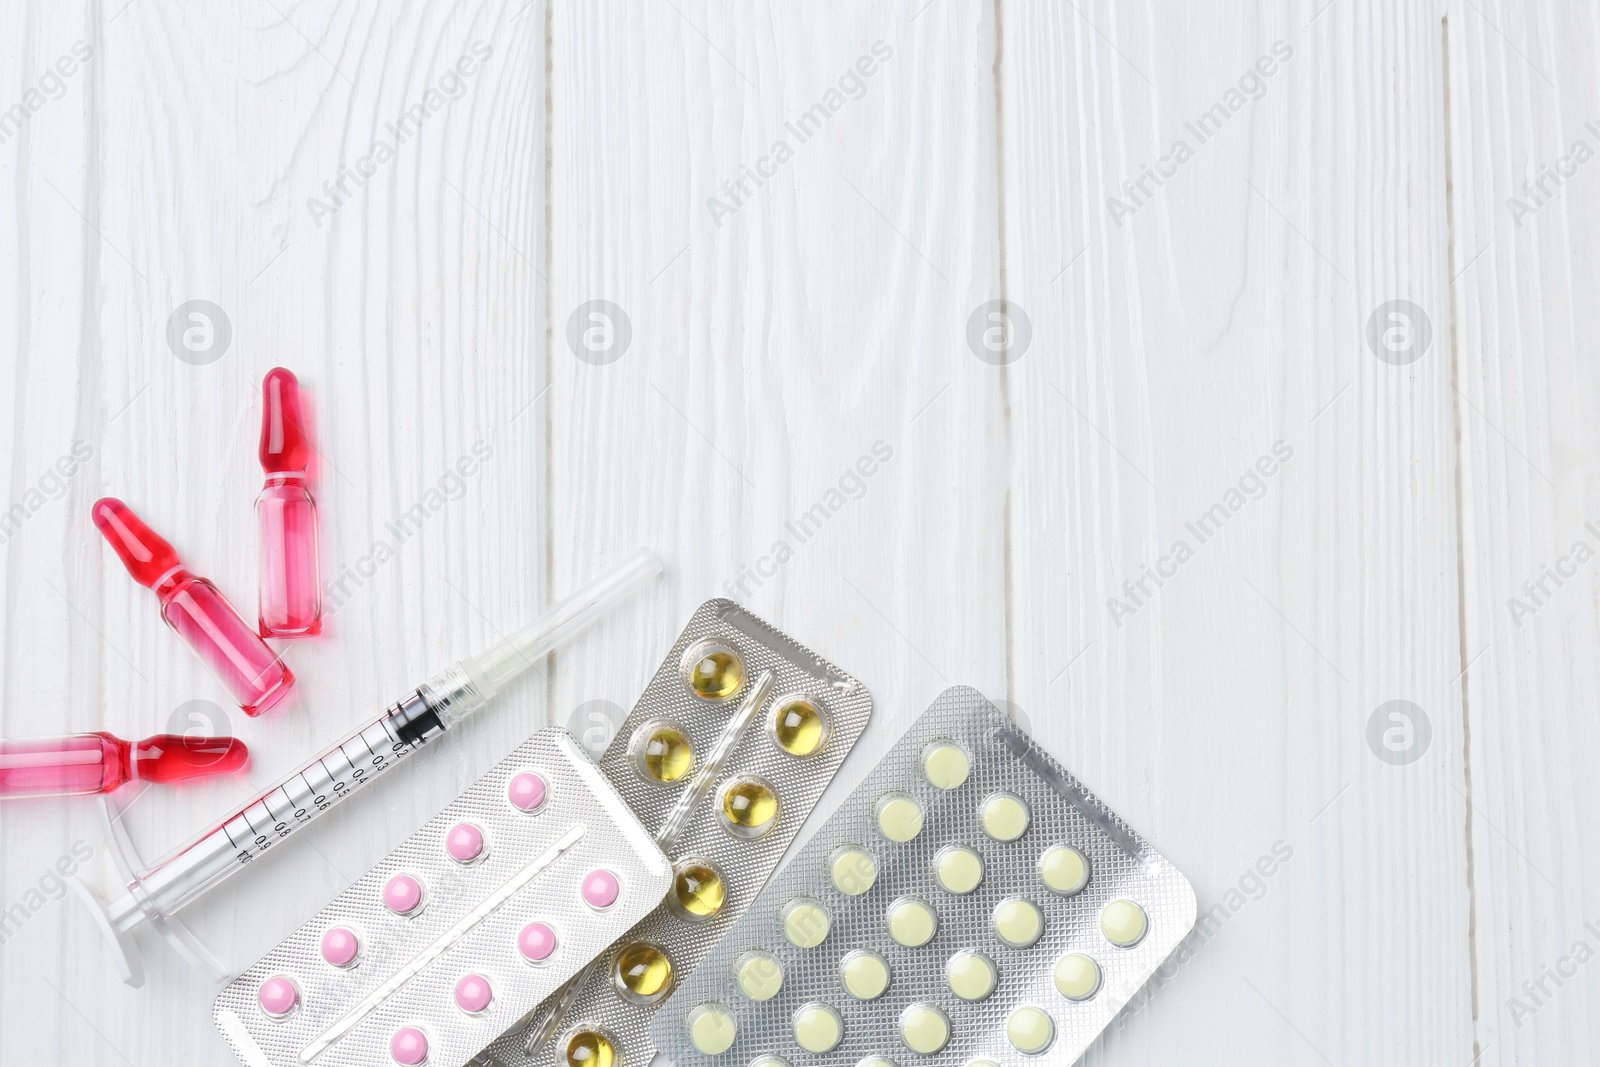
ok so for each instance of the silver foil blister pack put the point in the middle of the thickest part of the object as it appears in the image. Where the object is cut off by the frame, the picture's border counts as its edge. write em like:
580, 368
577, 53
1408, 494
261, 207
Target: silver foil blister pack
496, 901
723, 757
970, 901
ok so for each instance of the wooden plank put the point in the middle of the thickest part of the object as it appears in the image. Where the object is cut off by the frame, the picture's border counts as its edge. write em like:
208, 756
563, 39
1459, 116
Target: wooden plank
204, 155
1198, 376
1523, 131
796, 421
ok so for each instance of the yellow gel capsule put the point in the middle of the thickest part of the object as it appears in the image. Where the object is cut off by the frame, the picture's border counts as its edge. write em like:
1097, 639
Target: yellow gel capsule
1064, 870
1030, 1030
715, 671
960, 869
912, 923
760, 976
865, 975
817, 1028
799, 727
924, 1028
643, 974
698, 891
945, 765
712, 1029
853, 871
805, 923
1005, 817
1123, 922
972, 975
899, 817
590, 1048
1077, 977
749, 807
1018, 922
663, 752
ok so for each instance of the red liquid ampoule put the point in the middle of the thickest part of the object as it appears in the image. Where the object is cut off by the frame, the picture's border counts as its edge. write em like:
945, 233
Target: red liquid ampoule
200, 614
290, 598
100, 762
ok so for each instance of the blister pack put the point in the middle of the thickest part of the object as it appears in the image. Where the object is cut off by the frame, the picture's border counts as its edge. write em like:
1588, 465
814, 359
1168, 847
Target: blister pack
491, 905
970, 903
723, 757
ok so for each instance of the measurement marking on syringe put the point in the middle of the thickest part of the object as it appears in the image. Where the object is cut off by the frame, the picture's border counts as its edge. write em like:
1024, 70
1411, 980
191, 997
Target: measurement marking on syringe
439, 946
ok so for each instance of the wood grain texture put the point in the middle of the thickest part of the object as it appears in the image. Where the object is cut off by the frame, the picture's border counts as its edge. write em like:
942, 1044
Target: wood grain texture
1522, 96
193, 143
802, 325
1180, 336
797, 216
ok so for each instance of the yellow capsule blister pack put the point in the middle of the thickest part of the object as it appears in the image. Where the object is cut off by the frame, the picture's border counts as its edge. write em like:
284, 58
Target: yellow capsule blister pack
970, 903
722, 758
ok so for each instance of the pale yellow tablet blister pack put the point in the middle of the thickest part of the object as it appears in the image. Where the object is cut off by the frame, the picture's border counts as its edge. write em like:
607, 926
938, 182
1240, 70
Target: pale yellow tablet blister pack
969, 904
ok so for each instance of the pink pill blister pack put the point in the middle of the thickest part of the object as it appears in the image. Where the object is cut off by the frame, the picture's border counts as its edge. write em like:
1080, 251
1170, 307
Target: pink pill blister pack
488, 908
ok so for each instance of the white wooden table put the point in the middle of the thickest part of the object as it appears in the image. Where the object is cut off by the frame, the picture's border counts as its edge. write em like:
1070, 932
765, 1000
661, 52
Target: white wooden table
774, 315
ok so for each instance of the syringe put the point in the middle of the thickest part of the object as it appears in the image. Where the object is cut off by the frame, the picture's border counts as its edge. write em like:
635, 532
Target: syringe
156, 892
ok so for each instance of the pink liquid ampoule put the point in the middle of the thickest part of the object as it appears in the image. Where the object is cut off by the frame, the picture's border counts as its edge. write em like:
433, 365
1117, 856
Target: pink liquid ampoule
200, 614
290, 600
99, 762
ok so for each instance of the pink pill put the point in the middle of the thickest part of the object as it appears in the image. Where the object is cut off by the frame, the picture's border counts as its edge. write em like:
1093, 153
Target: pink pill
464, 842
409, 1046
403, 894
340, 945
278, 996
526, 791
536, 942
600, 889
473, 994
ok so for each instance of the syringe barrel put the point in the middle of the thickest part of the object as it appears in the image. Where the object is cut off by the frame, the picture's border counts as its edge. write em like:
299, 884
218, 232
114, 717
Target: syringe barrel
494, 668
286, 807
402, 729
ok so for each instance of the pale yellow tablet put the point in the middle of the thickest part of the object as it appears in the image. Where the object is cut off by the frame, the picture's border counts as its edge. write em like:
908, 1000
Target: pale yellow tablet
853, 870
1030, 1030
912, 923
899, 817
959, 868
805, 922
1077, 976
865, 974
1064, 869
711, 1029
972, 975
1123, 922
945, 765
982, 1063
924, 1029
876, 1061
1018, 922
769, 1061
760, 976
1005, 816
817, 1028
